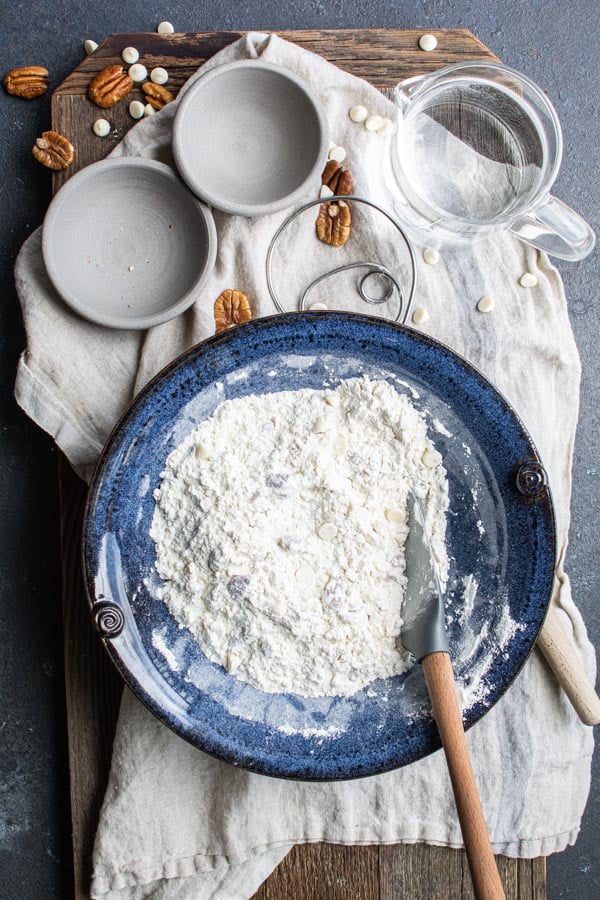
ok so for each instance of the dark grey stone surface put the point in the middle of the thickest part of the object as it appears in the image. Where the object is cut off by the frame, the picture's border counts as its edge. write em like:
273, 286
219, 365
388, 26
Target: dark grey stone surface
554, 42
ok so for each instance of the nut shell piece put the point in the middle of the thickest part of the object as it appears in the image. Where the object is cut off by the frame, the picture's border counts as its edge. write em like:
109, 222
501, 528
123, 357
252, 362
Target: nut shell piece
231, 308
109, 86
27, 82
156, 94
53, 150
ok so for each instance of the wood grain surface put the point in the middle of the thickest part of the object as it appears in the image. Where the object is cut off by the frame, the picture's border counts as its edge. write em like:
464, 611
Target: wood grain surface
93, 689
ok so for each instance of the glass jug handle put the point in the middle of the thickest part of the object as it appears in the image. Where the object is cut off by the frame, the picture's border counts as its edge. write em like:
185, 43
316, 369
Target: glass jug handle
556, 228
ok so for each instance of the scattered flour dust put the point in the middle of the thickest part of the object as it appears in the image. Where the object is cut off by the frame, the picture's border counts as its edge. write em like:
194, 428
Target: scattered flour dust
280, 525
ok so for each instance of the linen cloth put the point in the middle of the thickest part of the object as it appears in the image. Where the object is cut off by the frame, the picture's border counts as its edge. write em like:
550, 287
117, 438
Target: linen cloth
177, 823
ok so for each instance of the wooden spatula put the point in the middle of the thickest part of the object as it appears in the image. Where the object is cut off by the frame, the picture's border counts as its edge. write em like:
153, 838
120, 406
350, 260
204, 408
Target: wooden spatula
424, 634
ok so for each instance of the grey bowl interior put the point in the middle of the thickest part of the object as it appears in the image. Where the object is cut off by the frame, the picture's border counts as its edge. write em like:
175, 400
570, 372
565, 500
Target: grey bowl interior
126, 244
248, 137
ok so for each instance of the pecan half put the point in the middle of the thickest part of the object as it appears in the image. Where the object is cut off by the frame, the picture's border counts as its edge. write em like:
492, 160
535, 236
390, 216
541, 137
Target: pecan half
109, 86
231, 308
337, 179
334, 223
157, 95
53, 150
27, 82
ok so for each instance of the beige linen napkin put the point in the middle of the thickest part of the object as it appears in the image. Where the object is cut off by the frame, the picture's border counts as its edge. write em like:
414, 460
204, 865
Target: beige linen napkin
179, 824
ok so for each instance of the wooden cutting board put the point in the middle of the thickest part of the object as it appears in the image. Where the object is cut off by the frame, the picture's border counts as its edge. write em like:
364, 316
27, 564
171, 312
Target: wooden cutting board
93, 688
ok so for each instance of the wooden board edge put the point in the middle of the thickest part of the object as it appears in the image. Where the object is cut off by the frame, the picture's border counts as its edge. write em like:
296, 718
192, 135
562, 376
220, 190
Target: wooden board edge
111, 45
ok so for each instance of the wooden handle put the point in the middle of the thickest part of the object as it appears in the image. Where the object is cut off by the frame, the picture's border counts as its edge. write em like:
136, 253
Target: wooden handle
564, 661
442, 692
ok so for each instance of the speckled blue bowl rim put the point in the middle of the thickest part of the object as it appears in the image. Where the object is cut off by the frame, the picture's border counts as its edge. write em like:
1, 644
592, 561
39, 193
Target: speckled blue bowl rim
507, 669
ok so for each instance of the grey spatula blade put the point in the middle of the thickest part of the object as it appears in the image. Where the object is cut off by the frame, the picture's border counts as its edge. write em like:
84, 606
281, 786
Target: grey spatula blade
424, 628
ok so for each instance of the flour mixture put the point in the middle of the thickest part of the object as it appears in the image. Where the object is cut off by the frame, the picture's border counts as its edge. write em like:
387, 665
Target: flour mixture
280, 525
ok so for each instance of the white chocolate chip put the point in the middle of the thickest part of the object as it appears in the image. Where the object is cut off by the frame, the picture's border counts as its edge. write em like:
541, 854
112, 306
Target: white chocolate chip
318, 306
136, 109
358, 114
101, 127
149, 110
137, 72
528, 279
373, 123
394, 515
159, 75
339, 445
131, 268
322, 424
428, 42
165, 28
233, 661
332, 144
431, 459
338, 154
130, 55
89, 46
305, 575
386, 128
486, 304
420, 315
325, 191
431, 256
327, 531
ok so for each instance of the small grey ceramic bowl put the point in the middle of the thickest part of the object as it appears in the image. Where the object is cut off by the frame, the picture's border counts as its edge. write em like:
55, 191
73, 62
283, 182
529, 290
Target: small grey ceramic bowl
249, 138
127, 245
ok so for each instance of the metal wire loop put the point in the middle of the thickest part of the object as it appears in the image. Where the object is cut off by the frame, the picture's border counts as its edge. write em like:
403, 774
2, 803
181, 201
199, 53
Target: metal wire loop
392, 283
375, 268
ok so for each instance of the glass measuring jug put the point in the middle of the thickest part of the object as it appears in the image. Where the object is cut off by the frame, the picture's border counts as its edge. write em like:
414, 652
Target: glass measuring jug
477, 149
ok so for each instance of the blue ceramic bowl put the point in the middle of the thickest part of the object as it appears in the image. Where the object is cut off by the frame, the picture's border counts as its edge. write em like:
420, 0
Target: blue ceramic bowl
500, 531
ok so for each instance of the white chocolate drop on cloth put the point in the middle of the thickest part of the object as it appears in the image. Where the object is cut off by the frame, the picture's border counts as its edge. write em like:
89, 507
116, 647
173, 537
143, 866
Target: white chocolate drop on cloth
358, 113
420, 315
373, 123
528, 279
431, 256
486, 304
337, 153
386, 128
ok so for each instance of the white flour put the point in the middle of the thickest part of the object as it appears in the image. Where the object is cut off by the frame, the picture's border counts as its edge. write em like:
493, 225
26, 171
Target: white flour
280, 525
